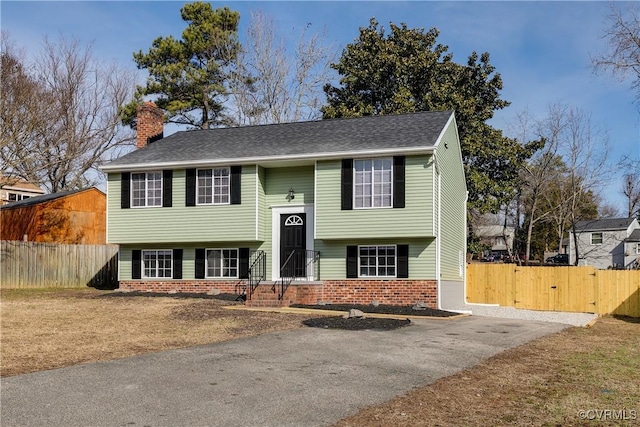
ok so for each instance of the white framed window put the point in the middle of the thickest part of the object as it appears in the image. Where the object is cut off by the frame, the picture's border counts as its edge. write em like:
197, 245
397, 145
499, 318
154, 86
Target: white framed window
377, 261
16, 197
146, 189
213, 186
596, 238
157, 263
373, 183
222, 263
638, 248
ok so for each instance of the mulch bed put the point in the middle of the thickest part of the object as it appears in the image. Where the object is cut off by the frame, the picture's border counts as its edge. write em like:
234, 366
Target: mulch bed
355, 323
179, 295
404, 310
324, 322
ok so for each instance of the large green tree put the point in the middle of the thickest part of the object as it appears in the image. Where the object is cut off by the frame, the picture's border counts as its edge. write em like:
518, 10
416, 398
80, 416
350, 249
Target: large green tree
189, 77
407, 71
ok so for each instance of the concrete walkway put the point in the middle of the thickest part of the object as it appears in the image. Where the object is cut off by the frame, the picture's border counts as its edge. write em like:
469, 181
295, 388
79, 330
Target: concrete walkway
308, 376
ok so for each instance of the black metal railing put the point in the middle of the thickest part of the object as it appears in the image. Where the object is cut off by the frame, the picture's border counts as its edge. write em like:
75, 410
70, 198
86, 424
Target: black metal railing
298, 265
257, 271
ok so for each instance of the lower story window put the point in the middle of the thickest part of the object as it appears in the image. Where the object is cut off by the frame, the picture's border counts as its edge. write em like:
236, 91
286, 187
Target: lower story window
157, 263
377, 261
222, 263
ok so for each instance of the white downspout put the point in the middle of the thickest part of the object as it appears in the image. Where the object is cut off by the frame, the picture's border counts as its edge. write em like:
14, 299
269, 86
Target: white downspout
439, 239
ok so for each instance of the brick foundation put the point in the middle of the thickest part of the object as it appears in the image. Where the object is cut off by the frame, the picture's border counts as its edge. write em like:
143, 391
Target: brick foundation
186, 286
393, 292
348, 291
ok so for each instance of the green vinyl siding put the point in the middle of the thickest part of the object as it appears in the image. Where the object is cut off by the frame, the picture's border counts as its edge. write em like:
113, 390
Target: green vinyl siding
278, 181
183, 223
333, 253
188, 256
453, 209
414, 220
261, 209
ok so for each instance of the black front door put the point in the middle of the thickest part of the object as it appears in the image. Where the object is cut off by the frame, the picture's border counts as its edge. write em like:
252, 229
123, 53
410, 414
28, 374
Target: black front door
293, 245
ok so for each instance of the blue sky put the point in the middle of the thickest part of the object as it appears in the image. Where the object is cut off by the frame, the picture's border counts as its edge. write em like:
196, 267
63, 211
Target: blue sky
541, 49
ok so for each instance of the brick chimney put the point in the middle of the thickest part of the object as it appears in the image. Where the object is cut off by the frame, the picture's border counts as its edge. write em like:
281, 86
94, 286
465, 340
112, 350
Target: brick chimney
149, 123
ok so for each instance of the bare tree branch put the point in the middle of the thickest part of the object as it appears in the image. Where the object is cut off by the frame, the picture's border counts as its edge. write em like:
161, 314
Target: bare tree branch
62, 120
623, 37
631, 191
287, 87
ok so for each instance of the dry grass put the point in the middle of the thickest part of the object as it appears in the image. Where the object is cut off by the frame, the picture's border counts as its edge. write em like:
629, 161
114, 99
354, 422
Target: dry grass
545, 383
45, 329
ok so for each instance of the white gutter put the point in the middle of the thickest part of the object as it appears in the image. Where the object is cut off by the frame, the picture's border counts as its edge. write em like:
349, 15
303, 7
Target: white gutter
439, 240
466, 238
264, 159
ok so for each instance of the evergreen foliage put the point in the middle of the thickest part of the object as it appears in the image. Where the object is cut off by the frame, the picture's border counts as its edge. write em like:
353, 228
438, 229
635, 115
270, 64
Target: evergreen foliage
408, 71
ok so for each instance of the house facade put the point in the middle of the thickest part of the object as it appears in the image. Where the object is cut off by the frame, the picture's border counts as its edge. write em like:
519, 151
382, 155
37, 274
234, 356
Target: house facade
341, 211
606, 243
500, 238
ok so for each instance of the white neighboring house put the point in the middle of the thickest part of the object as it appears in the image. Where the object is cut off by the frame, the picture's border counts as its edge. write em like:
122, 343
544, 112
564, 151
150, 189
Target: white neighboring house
606, 243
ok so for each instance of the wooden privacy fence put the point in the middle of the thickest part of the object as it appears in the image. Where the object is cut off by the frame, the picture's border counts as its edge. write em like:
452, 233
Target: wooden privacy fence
575, 289
48, 265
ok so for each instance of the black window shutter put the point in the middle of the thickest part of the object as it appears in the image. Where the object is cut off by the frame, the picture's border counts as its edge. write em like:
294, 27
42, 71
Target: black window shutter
346, 191
177, 263
190, 190
200, 254
235, 196
125, 190
243, 263
352, 262
403, 262
136, 264
167, 188
398, 182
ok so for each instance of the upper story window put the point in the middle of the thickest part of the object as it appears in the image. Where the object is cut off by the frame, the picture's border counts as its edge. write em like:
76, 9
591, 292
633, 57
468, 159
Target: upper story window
373, 180
638, 248
213, 186
596, 238
146, 189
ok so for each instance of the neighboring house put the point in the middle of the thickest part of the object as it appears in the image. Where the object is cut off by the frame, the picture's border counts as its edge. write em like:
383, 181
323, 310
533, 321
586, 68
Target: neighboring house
499, 237
348, 210
73, 217
15, 189
606, 243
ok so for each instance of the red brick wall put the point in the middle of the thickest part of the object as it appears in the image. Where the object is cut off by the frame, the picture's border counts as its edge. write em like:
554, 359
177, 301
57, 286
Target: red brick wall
187, 286
393, 292
149, 123
349, 291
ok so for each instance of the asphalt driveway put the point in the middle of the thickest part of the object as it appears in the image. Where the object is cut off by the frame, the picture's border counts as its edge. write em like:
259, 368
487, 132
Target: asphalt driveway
304, 377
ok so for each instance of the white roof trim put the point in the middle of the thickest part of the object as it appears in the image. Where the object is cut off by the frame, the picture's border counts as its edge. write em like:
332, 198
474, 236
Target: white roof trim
444, 129
269, 159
